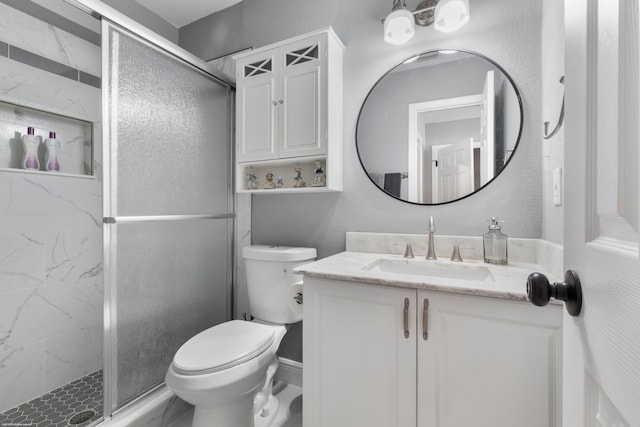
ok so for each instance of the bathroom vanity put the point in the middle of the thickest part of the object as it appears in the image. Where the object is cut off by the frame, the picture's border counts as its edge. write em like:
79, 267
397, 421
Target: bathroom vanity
390, 341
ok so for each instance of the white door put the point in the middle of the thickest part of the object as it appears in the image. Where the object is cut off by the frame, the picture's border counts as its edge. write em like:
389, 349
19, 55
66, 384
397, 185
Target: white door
359, 363
602, 345
257, 107
487, 129
480, 351
454, 171
303, 100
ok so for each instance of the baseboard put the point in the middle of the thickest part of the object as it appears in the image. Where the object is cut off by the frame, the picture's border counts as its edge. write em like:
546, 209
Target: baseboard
289, 372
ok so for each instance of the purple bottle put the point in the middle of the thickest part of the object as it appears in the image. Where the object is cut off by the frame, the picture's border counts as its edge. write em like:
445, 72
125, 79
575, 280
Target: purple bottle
30, 143
51, 158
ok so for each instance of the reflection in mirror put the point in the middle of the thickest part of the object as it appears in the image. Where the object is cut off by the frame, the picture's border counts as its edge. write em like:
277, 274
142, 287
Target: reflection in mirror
439, 127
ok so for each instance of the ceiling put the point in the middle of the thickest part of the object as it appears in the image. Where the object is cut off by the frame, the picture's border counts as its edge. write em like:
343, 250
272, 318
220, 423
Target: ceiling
183, 12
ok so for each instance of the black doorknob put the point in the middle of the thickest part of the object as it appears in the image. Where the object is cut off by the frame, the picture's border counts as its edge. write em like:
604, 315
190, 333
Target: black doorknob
540, 291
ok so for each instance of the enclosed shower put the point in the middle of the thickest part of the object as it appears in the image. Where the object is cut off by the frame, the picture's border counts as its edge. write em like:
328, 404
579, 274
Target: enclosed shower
112, 262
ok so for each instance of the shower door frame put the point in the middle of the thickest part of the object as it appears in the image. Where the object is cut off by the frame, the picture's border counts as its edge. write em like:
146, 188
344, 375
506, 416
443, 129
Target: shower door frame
111, 17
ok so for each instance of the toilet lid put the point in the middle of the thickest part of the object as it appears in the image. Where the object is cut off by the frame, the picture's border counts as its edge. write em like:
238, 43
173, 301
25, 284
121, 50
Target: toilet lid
222, 347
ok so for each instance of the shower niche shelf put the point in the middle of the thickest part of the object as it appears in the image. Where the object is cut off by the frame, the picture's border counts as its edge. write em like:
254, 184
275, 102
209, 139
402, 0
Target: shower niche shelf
75, 155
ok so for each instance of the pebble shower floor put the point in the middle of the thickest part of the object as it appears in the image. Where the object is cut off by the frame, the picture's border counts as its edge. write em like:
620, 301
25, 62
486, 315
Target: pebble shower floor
78, 403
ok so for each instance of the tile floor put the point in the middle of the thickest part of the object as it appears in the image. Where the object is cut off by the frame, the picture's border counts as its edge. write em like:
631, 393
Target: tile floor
289, 411
75, 404
59, 407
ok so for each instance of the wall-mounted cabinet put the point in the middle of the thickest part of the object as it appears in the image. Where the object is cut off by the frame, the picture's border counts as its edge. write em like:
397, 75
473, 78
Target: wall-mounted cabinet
289, 114
384, 356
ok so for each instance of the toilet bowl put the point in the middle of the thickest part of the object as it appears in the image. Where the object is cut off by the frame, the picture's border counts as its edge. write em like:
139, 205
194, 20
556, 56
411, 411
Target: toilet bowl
227, 371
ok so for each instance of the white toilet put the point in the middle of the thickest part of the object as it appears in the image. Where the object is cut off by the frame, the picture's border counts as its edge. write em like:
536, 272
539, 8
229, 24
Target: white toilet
226, 371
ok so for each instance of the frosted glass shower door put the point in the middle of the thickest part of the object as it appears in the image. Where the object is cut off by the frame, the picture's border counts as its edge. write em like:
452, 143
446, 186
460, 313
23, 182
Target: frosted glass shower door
168, 210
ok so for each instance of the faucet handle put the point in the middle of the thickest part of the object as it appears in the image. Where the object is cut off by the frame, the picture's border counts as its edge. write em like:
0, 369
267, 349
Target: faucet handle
455, 256
408, 253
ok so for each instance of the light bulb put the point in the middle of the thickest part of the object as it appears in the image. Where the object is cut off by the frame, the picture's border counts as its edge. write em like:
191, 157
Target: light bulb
399, 27
451, 15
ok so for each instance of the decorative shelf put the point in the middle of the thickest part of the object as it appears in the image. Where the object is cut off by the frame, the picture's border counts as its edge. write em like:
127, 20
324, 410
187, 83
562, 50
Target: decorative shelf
291, 190
285, 169
75, 135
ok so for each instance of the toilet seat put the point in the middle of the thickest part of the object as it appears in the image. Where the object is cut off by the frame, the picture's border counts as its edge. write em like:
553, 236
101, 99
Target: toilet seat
222, 347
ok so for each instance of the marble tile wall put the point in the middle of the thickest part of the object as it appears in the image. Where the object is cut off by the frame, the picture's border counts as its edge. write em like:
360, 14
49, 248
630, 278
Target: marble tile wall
50, 229
36, 36
242, 238
53, 91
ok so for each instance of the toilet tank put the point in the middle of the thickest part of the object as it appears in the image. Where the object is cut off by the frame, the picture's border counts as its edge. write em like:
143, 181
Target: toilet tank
269, 277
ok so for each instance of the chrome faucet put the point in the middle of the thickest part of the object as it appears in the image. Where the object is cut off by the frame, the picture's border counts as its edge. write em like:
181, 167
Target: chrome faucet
431, 250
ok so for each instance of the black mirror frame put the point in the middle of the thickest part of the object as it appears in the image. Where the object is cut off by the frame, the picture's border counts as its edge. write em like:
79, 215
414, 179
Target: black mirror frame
515, 147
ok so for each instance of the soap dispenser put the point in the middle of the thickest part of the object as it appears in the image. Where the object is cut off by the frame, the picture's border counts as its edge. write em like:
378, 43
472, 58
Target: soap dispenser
494, 243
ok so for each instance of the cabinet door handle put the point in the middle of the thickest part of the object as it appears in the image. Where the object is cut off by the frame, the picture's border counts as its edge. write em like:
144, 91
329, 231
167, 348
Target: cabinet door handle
425, 319
405, 318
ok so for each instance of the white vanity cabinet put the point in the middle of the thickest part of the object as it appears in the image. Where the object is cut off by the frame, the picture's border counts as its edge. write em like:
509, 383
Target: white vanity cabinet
485, 361
289, 110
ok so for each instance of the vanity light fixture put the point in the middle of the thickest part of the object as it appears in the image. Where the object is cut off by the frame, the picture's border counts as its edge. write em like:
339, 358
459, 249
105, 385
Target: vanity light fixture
445, 15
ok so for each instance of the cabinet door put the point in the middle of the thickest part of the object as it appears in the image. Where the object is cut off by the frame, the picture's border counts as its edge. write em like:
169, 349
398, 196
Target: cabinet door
303, 102
488, 362
359, 369
257, 107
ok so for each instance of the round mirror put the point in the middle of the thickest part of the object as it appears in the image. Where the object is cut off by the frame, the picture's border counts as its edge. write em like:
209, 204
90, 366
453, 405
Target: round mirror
439, 127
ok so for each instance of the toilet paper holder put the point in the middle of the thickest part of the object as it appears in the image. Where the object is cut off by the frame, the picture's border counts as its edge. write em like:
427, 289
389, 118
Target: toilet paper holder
298, 298
295, 297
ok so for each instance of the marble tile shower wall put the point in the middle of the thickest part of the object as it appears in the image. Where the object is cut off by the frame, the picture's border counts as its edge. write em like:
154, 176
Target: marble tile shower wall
50, 229
39, 37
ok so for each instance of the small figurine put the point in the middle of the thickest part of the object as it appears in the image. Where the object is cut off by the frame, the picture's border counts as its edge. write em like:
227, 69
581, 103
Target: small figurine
279, 182
253, 180
298, 176
320, 179
269, 184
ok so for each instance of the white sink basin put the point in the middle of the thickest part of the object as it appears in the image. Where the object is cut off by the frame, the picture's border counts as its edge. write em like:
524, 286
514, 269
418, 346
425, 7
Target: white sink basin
425, 268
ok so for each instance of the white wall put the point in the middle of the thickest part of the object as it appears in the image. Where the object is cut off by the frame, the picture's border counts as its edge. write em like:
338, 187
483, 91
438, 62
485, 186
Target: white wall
552, 94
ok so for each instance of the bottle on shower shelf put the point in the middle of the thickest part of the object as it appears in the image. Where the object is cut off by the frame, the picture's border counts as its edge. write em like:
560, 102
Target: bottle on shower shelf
51, 158
30, 142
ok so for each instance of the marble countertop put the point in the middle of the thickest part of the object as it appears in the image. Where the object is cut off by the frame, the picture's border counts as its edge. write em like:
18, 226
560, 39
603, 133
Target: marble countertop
502, 281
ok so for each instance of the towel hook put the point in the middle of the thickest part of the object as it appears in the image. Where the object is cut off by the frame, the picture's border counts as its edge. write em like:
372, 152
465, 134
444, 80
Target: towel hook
548, 135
